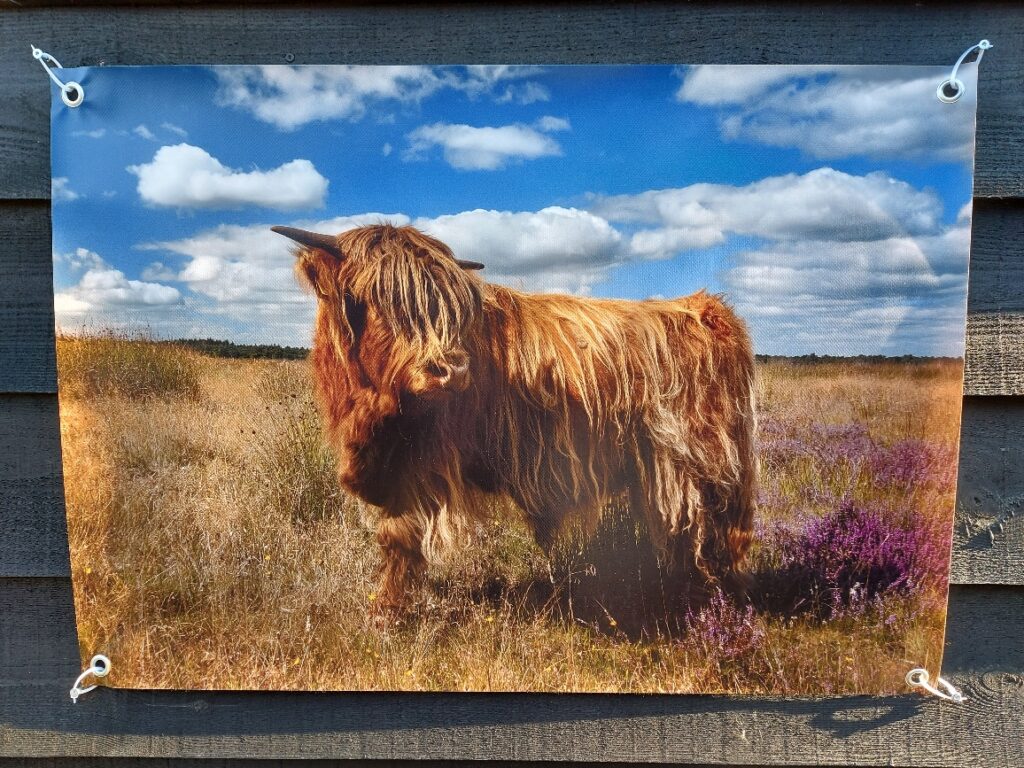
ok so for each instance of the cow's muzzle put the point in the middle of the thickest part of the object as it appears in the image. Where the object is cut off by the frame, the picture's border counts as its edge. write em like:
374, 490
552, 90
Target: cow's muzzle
451, 373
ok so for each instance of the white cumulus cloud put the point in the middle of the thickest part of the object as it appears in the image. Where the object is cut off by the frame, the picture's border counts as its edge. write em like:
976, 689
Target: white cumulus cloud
472, 148
832, 112
524, 93
550, 123
185, 176
737, 84
823, 204
61, 191
289, 97
104, 293
478, 79
157, 270
555, 248
896, 267
848, 264
177, 130
235, 264
663, 242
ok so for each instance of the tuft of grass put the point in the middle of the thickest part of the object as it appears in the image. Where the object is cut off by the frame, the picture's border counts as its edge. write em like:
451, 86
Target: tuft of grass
126, 365
293, 464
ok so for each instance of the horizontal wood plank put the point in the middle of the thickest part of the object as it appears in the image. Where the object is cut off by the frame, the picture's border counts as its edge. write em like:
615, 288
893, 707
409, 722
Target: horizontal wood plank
31, 488
984, 657
995, 302
257, 762
792, 33
988, 535
26, 299
988, 545
995, 352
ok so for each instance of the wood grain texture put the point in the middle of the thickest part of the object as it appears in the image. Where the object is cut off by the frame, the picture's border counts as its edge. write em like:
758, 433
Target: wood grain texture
32, 517
988, 545
988, 537
995, 352
984, 657
26, 298
648, 32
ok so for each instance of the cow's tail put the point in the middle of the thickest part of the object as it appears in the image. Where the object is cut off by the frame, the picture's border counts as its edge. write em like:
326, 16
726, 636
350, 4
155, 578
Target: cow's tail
732, 500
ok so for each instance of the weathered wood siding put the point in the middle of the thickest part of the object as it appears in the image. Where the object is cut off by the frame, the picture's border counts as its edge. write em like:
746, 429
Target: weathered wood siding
38, 653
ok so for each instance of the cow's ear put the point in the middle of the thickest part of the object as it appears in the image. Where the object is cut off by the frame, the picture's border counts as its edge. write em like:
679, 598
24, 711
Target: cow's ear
317, 259
315, 269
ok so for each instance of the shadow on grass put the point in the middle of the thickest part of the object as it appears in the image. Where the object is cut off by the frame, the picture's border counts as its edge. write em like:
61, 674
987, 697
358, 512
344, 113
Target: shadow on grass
612, 583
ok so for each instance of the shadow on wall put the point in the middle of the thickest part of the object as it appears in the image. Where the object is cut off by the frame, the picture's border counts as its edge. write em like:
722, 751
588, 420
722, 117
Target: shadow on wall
43, 705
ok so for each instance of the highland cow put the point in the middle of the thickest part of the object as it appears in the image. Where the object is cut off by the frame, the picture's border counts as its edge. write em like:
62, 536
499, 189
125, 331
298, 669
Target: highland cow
438, 388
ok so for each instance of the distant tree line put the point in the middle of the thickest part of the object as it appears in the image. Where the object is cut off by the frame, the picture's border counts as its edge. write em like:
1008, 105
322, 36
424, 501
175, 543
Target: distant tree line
812, 359
221, 348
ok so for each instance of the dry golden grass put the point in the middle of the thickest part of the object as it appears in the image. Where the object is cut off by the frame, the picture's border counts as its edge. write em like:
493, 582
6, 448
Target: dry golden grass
893, 400
211, 548
133, 366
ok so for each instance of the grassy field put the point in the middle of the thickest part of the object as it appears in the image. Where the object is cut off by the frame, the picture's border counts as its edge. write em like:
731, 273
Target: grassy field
212, 548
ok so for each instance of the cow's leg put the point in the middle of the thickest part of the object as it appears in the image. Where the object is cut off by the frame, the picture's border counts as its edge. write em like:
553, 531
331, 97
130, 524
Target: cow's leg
706, 554
726, 543
401, 543
673, 508
544, 522
545, 531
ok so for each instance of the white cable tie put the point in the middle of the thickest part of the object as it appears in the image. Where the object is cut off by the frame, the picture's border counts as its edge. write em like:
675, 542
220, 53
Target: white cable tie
919, 678
98, 667
956, 85
71, 92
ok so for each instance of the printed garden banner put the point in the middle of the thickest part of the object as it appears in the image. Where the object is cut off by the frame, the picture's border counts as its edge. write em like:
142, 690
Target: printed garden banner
512, 378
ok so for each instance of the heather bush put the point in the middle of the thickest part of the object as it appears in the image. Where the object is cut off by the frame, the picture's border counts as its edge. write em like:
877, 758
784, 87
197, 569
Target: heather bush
724, 630
911, 463
848, 559
903, 464
826, 443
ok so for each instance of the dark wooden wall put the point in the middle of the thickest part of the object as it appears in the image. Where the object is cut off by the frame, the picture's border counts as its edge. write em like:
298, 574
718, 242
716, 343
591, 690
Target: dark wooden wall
38, 653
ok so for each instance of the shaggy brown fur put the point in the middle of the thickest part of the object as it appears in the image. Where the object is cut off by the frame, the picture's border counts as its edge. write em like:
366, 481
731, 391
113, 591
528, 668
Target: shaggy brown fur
437, 387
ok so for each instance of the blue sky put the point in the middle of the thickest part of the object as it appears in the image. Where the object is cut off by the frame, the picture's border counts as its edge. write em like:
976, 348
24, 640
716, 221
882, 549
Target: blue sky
829, 204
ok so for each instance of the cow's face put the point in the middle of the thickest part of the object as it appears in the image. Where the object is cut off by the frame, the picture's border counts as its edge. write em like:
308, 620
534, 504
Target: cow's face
395, 307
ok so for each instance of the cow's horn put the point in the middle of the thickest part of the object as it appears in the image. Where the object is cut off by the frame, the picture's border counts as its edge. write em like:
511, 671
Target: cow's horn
469, 264
310, 239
